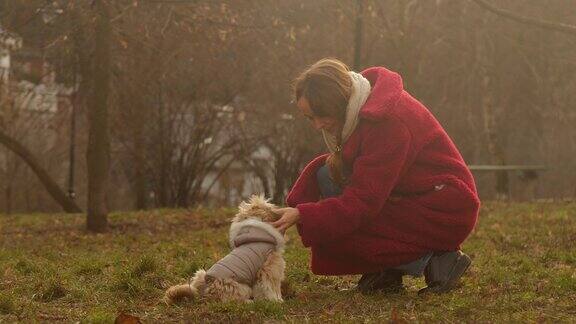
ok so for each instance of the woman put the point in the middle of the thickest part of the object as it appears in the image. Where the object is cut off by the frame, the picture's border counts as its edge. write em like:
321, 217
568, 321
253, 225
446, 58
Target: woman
393, 197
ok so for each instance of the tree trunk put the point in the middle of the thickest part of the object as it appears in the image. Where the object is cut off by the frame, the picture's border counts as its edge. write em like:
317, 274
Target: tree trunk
494, 141
163, 197
51, 186
72, 148
280, 175
260, 173
140, 181
140, 188
98, 154
9, 199
358, 36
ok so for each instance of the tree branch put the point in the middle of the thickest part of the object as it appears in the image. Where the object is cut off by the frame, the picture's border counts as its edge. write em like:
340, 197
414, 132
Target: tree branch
560, 27
53, 189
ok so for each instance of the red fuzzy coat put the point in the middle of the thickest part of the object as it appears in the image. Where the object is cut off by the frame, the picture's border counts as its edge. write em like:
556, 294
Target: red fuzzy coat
389, 213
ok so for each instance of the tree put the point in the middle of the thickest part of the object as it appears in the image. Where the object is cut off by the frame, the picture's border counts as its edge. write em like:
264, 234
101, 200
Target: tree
53, 189
559, 27
358, 35
98, 154
175, 122
14, 114
184, 72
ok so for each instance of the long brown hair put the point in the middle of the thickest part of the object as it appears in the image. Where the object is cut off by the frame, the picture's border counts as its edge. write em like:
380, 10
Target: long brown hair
327, 86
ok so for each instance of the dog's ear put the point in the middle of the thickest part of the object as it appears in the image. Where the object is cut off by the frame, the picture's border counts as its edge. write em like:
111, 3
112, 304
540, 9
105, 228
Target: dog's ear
270, 216
244, 207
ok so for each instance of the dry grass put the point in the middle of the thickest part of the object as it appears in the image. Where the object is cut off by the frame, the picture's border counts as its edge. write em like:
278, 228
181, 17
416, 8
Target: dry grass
52, 270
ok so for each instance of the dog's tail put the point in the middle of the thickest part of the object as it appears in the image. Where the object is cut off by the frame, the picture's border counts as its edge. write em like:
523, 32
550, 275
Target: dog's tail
189, 290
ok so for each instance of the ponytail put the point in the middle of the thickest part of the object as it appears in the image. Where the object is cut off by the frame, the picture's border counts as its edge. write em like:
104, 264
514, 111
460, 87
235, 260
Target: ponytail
335, 163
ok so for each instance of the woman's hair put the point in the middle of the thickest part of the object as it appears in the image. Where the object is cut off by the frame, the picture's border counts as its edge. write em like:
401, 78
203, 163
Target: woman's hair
327, 86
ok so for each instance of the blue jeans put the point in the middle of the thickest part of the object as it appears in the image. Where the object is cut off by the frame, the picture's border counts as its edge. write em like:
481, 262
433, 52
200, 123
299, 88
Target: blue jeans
329, 189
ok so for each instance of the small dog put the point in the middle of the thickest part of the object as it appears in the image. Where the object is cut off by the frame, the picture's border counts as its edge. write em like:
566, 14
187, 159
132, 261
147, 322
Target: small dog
254, 269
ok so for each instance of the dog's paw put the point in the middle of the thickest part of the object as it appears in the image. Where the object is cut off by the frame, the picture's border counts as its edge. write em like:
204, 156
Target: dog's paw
287, 291
166, 300
177, 293
168, 297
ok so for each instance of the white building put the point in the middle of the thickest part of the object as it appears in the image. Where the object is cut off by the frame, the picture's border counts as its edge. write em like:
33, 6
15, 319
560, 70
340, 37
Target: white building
9, 42
31, 107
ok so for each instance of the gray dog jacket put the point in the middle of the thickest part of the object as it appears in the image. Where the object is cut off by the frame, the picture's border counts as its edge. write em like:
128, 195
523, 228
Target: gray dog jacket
251, 242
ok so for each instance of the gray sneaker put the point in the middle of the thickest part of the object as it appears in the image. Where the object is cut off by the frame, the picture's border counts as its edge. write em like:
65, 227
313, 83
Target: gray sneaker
444, 271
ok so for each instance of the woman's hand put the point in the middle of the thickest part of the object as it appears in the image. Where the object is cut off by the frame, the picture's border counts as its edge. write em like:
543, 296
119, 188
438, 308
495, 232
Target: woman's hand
290, 216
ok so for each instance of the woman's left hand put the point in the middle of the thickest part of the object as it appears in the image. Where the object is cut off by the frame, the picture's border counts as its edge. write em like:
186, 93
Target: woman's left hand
290, 216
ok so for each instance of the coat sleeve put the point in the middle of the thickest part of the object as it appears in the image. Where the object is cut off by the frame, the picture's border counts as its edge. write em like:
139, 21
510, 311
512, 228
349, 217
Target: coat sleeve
384, 155
306, 187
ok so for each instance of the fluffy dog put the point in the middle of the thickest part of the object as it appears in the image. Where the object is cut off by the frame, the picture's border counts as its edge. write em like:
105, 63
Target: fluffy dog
254, 269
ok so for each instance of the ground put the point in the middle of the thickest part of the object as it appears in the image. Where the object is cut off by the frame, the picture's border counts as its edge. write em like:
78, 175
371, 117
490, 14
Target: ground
524, 269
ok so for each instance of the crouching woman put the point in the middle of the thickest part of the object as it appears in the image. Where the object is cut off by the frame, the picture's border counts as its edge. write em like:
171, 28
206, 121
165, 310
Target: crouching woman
393, 197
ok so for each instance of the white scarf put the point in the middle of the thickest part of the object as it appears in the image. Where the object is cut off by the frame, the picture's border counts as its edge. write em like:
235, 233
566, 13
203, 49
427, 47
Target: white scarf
360, 92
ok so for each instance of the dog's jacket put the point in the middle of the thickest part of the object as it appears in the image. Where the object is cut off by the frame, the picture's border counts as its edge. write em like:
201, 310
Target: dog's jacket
251, 241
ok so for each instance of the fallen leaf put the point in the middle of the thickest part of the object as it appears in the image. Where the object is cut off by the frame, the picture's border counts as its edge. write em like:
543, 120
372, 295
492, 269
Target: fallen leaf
127, 319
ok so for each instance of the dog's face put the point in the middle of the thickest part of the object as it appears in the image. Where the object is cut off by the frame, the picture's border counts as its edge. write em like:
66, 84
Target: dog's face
257, 207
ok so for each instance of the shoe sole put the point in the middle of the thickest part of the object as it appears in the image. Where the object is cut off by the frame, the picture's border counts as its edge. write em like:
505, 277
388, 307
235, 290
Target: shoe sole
462, 264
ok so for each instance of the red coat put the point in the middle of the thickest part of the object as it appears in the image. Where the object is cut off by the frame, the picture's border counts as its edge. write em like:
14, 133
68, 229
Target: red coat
389, 213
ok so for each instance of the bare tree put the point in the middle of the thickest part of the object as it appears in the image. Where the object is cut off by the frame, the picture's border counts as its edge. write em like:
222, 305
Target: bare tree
559, 27
53, 189
185, 71
15, 103
358, 34
98, 154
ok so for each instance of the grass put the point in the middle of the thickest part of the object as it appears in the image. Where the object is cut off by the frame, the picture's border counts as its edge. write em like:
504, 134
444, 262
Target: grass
524, 270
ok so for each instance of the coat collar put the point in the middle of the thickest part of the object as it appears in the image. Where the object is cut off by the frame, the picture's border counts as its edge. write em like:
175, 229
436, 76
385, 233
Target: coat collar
387, 89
